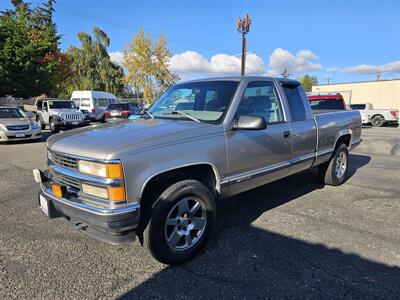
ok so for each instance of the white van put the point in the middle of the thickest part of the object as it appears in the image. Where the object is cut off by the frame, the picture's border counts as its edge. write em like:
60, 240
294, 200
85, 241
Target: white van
94, 102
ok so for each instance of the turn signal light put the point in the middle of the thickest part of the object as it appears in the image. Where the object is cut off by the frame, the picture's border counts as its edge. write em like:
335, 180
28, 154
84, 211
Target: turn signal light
116, 193
114, 170
56, 189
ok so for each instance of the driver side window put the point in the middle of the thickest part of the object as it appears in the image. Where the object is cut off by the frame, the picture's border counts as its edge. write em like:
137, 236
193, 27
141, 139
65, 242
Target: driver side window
260, 98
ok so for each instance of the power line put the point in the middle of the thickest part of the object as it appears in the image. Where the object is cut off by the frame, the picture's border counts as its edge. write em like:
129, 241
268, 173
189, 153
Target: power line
127, 26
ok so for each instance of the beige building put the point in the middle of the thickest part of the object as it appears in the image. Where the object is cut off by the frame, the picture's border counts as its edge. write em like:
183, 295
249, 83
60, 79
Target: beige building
380, 93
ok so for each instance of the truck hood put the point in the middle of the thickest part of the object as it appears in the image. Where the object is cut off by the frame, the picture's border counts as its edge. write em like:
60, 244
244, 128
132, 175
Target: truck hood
111, 141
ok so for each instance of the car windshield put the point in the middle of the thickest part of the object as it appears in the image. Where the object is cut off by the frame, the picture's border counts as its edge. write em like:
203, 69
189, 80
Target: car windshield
203, 101
357, 106
327, 104
62, 104
11, 113
118, 106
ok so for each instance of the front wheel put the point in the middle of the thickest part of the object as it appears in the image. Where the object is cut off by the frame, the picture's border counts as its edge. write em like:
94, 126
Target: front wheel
54, 128
181, 222
334, 171
41, 124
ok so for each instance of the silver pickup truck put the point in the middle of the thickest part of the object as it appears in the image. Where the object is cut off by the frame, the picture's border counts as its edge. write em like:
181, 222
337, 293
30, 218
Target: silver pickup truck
158, 177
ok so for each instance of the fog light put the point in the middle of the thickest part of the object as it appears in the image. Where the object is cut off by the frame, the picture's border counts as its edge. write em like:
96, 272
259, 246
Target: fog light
95, 191
56, 189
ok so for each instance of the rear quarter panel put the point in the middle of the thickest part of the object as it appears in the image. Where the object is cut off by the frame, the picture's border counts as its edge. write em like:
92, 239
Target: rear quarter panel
333, 125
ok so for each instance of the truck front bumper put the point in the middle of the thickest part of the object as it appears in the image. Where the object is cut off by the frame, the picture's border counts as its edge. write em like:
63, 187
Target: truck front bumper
114, 226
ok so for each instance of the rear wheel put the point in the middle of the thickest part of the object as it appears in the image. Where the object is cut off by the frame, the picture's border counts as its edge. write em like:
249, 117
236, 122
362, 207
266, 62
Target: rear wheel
181, 222
54, 127
377, 121
334, 171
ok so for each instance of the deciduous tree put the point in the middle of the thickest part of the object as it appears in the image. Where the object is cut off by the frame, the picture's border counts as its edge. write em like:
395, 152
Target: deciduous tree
308, 82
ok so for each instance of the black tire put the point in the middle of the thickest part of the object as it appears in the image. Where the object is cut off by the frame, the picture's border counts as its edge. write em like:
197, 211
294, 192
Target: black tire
54, 128
377, 121
328, 173
156, 233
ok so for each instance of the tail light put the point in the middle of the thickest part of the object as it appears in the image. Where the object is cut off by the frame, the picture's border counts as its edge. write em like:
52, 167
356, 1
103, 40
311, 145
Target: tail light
126, 113
93, 111
107, 114
394, 113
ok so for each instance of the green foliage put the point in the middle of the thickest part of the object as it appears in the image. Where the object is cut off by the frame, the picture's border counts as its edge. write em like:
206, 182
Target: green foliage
147, 65
308, 82
29, 53
91, 66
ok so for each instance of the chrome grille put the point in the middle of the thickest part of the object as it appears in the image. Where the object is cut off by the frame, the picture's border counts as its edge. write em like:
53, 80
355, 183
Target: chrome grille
69, 182
63, 160
18, 127
71, 117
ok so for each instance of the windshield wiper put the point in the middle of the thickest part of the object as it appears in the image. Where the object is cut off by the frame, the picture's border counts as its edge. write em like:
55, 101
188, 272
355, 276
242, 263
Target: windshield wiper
175, 112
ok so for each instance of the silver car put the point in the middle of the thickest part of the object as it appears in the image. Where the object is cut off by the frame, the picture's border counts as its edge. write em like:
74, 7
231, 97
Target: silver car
15, 125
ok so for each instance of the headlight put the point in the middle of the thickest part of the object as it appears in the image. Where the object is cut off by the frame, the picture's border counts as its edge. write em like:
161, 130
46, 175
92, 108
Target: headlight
3, 128
108, 170
35, 125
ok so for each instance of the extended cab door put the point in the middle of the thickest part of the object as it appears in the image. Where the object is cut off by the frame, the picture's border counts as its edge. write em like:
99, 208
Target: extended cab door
256, 157
303, 131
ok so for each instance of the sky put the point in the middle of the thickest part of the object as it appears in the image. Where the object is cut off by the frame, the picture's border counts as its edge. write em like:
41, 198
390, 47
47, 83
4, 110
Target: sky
344, 40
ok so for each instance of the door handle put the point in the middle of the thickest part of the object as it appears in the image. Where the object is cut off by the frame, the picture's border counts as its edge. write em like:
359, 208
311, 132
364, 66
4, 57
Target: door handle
286, 134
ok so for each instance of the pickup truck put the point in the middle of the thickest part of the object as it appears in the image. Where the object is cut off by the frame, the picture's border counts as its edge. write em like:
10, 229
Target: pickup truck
376, 117
58, 114
159, 176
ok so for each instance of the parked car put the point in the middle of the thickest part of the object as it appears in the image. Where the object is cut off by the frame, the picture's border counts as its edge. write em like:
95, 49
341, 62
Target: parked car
121, 111
16, 125
324, 102
58, 114
158, 177
95, 102
376, 117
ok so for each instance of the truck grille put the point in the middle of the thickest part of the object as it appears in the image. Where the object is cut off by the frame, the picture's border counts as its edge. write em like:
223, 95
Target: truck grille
71, 117
69, 182
18, 127
64, 161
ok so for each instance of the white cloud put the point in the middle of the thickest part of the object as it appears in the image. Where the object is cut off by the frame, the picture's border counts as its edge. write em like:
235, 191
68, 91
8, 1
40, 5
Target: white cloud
117, 58
370, 69
191, 62
302, 61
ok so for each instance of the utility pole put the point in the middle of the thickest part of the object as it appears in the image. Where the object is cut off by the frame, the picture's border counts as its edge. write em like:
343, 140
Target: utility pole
243, 27
328, 80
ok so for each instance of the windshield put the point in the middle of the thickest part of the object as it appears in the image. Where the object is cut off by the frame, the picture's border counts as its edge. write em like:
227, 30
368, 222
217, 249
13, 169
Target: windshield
118, 106
327, 104
11, 113
205, 101
357, 106
62, 104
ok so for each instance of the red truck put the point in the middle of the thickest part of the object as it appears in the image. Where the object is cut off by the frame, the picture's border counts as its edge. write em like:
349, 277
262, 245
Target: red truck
326, 102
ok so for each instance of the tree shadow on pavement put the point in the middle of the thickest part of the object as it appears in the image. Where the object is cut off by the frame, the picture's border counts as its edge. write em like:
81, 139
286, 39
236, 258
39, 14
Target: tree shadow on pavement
244, 261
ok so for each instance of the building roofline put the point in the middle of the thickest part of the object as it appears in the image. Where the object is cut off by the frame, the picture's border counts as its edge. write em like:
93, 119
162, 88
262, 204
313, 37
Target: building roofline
366, 81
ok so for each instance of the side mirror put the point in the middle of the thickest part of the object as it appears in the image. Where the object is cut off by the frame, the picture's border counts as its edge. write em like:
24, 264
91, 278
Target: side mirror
45, 108
77, 108
250, 123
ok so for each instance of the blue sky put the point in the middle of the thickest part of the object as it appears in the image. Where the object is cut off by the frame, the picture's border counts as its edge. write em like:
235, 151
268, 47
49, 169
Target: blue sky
343, 39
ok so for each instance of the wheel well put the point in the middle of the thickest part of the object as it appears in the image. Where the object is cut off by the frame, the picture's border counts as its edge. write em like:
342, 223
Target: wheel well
203, 173
344, 139
377, 115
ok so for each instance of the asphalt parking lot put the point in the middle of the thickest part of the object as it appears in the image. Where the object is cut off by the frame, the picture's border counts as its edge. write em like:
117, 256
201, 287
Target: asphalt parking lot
290, 239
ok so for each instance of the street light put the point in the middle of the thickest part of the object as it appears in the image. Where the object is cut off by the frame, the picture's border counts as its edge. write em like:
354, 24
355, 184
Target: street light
243, 27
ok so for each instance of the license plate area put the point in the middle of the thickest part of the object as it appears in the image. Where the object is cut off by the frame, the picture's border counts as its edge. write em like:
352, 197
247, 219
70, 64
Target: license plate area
20, 135
48, 208
44, 205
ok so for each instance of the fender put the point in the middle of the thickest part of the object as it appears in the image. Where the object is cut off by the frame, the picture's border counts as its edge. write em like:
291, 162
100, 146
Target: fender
342, 133
214, 168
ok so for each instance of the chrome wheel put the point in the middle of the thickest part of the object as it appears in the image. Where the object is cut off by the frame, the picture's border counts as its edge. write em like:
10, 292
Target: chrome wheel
341, 165
185, 223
